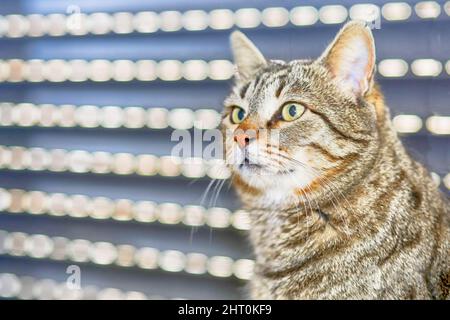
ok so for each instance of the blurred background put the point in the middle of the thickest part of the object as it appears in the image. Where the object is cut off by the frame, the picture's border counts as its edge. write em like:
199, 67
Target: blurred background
90, 92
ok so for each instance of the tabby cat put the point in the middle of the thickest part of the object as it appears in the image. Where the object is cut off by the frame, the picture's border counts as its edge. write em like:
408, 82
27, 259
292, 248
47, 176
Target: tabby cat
338, 208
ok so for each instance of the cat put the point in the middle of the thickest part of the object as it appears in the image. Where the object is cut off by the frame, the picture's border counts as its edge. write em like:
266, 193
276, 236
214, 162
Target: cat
338, 209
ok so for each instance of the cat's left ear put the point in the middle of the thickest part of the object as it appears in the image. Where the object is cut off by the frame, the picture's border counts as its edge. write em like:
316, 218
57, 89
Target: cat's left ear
248, 59
351, 58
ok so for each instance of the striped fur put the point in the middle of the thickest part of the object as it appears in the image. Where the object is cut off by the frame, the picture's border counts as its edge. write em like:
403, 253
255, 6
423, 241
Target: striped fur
339, 210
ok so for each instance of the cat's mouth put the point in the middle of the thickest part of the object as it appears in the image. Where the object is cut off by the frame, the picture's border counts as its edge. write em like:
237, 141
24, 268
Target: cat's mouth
251, 167
287, 171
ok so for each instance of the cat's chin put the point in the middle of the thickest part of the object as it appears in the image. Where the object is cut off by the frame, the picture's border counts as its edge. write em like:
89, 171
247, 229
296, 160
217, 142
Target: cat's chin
277, 184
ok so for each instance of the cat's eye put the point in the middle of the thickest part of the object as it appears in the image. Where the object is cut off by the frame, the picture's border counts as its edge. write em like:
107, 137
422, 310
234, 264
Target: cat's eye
292, 111
237, 115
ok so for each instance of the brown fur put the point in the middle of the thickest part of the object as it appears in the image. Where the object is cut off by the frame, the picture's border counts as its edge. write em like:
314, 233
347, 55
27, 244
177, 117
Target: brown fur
370, 223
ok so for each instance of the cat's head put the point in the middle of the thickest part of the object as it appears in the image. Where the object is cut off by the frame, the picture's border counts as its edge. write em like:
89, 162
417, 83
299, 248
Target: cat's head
302, 129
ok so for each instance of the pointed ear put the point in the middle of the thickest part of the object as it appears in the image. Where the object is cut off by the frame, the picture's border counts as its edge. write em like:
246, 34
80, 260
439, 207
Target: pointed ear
248, 59
351, 58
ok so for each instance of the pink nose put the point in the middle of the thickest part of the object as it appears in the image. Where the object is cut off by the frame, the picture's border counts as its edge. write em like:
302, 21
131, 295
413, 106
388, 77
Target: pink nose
242, 139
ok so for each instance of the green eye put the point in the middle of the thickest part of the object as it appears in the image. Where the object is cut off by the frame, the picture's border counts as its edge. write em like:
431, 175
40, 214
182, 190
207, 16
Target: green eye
292, 111
237, 115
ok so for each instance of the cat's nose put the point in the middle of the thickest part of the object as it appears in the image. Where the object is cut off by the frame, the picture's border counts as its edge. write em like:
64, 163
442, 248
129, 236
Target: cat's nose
242, 139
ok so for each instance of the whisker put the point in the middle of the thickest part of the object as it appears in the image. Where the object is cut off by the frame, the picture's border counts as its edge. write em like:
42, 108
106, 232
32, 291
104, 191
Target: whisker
205, 193
216, 197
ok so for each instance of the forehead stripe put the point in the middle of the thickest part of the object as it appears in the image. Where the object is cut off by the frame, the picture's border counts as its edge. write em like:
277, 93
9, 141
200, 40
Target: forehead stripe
280, 87
243, 90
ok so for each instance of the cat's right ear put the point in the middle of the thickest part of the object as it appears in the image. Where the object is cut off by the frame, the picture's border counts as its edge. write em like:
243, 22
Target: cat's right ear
248, 59
351, 58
